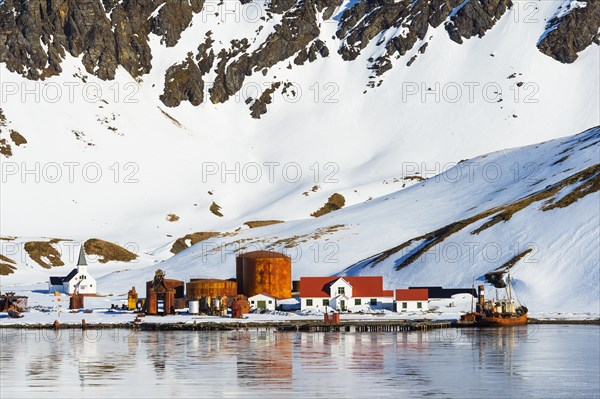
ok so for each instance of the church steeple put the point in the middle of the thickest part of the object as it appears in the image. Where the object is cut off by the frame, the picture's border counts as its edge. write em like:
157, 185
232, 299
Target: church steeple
81, 263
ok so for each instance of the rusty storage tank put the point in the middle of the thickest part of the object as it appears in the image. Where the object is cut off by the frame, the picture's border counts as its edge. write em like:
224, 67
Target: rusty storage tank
166, 292
199, 287
76, 301
264, 272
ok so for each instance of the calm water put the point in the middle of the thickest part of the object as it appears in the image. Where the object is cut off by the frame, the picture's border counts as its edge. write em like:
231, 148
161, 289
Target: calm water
520, 362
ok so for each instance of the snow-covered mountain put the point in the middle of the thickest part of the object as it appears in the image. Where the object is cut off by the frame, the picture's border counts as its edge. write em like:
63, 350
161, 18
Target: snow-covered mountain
533, 210
142, 123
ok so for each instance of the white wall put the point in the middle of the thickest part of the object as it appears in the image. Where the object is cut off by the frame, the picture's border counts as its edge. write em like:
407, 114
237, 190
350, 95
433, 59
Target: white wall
382, 303
254, 301
341, 283
53, 288
87, 286
411, 306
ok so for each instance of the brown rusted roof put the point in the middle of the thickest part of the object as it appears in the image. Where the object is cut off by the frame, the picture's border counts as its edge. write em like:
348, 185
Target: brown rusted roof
263, 254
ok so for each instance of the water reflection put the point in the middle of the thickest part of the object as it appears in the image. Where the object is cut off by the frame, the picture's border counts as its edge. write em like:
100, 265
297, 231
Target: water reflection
529, 361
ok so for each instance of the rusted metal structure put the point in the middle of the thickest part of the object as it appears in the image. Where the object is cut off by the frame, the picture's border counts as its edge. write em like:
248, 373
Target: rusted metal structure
199, 287
9, 301
161, 294
132, 299
333, 318
76, 301
264, 272
502, 312
240, 307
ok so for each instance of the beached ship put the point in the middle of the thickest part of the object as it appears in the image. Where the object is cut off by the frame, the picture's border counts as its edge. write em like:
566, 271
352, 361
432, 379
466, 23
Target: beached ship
496, 313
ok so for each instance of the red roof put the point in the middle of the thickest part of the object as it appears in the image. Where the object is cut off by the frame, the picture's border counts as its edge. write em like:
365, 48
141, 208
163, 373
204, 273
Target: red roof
362, 286
418, 294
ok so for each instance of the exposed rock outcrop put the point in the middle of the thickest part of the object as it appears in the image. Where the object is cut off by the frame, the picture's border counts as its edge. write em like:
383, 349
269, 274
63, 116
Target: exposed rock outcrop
571, 31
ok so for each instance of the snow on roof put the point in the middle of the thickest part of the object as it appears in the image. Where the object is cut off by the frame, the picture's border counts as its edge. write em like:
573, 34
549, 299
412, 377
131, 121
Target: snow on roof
419, 294
362, 286
263, 294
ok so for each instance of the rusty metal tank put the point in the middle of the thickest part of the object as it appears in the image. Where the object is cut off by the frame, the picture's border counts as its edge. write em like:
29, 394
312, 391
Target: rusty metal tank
167, 293
199, 287
264, 272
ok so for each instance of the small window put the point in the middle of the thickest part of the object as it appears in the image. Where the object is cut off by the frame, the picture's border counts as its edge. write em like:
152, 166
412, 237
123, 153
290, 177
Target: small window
404, 305
309, 302
325, 302
357, 301
252, 302
419, 305
341, 290
270, 302
373, 301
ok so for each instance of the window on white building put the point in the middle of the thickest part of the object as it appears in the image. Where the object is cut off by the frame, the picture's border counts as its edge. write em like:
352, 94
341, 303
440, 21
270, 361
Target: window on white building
325, 302
419, 305
404, 305
357, 301
373, 301
309, 302
341, 290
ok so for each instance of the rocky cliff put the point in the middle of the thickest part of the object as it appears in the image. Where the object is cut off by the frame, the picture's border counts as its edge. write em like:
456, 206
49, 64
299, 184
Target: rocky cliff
37, 35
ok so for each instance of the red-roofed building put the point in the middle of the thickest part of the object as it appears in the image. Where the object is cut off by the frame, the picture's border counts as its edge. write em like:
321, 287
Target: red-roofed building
343, 293
412, 299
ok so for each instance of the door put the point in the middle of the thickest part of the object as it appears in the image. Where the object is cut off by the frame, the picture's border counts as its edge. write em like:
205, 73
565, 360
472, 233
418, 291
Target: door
342, 304
261, 304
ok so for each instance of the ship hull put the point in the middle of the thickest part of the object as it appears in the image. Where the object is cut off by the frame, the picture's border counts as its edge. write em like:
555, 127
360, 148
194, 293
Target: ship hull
502, 321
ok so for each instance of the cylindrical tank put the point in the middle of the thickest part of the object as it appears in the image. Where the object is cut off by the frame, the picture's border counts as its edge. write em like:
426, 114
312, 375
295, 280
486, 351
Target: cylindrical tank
151, 305
239, 275
194, 307
197, 288
132, 298
264, 272
76, 302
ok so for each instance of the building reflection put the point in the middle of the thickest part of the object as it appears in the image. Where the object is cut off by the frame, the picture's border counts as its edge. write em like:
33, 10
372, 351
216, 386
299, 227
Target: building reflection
266, 358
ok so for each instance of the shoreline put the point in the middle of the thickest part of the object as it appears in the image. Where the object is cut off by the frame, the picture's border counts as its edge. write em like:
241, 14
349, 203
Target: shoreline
299, 325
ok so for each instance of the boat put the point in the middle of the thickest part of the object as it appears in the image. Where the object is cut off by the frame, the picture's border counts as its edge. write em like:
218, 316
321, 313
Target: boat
498, 313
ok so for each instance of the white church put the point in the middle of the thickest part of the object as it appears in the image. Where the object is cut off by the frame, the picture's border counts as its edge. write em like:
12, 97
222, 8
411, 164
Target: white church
79, 281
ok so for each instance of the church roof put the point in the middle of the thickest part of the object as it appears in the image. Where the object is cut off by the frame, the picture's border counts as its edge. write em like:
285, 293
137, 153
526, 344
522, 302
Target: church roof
81, 261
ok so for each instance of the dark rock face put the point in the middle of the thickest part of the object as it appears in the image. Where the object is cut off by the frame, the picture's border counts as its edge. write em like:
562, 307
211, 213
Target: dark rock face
571, 33
366, 20
37, 35
173, 18
183, 82
35, 38
475, 18
259, 107
298, 28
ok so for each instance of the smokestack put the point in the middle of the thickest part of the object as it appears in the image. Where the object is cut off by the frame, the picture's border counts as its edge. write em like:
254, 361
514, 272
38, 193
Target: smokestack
481, 295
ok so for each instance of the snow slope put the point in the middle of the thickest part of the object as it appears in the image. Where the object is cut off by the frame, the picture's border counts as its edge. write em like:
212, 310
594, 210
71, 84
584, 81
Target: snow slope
144, 165
551, 189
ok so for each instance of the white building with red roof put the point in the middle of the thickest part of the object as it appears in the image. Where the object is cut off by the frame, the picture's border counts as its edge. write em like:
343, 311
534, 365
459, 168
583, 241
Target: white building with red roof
263, 301
411, 300
343, 293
